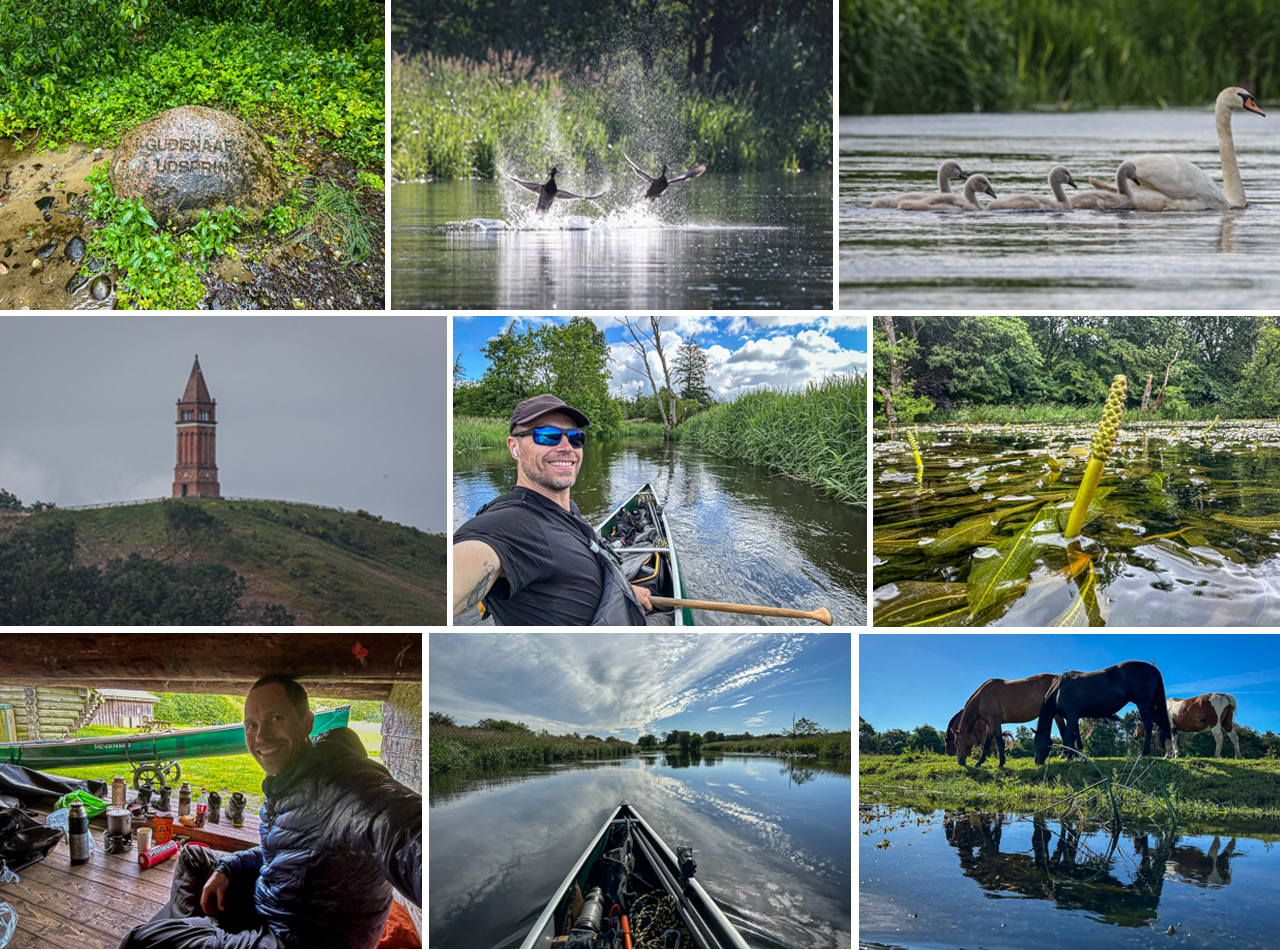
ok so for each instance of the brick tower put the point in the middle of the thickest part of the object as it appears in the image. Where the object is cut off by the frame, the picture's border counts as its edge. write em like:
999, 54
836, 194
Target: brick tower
196, 474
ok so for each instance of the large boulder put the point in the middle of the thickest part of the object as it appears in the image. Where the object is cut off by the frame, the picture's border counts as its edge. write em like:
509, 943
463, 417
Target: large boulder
192, 159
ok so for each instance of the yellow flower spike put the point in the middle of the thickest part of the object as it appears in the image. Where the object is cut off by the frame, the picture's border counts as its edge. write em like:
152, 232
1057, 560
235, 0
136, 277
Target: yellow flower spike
1099, 452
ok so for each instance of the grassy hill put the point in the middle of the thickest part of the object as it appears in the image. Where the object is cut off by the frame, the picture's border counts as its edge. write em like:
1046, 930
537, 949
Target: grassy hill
324, 566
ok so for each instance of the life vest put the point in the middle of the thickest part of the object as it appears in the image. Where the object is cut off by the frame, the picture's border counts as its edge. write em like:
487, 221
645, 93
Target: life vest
618, 606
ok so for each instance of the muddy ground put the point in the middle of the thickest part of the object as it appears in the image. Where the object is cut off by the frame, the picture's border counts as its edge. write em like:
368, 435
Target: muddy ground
39, 258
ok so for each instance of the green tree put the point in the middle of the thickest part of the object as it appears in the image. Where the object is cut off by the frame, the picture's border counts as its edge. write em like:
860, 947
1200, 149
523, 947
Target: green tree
9, 501
804, 727
925, 739
647, 742
690, 371
439, 719
506, 725
1257, 394
868, 741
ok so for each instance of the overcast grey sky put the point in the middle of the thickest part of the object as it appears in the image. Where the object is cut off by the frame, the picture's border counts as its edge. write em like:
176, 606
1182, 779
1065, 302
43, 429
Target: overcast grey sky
341, 411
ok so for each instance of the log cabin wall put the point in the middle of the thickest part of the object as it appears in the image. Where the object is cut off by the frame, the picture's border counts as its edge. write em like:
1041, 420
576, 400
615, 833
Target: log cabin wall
45, 711
402, 750
122, 712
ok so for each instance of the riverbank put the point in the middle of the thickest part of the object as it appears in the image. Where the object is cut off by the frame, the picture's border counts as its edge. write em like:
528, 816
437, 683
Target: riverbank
818, 434
831, 746
308, 79
474, 433
1199, 788
452, 748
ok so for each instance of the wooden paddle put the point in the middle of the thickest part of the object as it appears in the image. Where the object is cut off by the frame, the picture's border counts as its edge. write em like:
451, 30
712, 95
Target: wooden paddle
822, 614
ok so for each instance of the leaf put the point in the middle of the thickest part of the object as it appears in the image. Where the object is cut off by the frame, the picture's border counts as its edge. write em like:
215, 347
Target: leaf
1083, 609
966, 534
907, 601
1008, 563
1263, 525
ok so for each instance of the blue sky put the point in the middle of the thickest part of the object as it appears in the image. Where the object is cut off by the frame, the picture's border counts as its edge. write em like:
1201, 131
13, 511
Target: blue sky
650, 681
906, 680
776, 352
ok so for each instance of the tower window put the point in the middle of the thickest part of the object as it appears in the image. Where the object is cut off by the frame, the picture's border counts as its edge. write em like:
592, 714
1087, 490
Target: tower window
204, 415
188, 415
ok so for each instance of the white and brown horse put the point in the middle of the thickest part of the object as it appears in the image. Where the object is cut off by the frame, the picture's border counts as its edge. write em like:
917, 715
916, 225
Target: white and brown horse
1213, 711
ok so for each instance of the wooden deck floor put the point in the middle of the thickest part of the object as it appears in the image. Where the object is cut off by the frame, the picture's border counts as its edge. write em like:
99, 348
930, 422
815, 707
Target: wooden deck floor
95, 904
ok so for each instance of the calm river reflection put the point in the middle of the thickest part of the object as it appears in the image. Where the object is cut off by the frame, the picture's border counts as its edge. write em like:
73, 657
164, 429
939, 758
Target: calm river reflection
721, 242
743, 535
978, 879
1126, 260
770, 839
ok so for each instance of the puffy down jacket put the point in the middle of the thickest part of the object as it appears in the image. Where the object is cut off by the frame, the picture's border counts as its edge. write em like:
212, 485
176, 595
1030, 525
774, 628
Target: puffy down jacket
337, 833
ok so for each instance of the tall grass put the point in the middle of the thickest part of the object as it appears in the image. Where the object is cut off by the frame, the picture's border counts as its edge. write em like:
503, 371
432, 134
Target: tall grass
454, 117
830, 746
1055, 412
818, 434
459, 747
944, 56
473, 433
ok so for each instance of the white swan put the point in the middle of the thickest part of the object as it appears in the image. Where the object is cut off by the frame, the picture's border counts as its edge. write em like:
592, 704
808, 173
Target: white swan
1104, 199
946, 171
1058, 177
966, 202
1171, 183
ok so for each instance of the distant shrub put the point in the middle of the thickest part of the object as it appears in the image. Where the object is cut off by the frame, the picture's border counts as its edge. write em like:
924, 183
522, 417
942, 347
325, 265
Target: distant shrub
188, 708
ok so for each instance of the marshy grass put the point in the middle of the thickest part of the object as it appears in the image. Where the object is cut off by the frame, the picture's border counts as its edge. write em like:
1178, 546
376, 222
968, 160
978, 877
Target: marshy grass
452, 748
474, 433
1197, 788
832, 746
943, 56
1052, 413
817, 434
456, 117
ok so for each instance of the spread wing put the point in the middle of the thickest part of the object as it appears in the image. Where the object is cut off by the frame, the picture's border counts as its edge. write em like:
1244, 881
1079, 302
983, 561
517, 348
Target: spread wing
638, 170
691, 173
534, 186
565, 194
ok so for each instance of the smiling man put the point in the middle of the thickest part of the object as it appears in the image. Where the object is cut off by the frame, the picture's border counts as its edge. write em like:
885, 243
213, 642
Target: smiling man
529, 555
338, 832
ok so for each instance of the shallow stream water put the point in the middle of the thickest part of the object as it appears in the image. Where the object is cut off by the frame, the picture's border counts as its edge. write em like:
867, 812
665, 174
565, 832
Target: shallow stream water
1185, 530
1210, 260
770, 839
1007, 881
743, 535
721, 241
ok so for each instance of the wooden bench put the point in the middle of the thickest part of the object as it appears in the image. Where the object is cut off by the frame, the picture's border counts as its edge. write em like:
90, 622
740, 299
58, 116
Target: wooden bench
95, 904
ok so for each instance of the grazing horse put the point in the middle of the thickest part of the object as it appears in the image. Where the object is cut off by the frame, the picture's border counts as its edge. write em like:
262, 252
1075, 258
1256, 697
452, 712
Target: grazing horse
1100, 695
1213, 711
949, 742
994, 704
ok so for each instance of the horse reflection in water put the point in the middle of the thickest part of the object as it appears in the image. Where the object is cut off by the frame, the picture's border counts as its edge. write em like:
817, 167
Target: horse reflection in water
1203, 869
1119, 886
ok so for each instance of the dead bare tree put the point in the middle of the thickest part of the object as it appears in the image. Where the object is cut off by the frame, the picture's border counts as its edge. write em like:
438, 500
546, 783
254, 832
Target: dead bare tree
1160, 398
639, 342
1146, 396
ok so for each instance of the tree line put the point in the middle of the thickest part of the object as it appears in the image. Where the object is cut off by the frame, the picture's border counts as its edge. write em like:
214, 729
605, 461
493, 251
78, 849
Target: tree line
1173, 363
572, 361
1104, 738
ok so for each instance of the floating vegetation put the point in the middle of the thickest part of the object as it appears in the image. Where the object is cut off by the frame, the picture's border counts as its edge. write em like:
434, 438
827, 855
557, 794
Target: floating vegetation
1182, 526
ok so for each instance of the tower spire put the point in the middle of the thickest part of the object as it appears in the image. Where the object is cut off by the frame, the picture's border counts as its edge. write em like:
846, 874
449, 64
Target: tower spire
196, 473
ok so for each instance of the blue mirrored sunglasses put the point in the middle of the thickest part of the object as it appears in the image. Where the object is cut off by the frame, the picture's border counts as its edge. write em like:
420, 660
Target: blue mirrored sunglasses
550, 435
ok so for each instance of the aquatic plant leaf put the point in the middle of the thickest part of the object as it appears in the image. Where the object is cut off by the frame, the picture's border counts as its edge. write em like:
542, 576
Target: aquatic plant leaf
906, 601
897, 546
1263, 525
1008, 563
966, 534
1083, 611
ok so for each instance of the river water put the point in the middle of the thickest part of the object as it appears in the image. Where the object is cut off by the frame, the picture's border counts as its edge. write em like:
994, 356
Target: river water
1125, 260
770, 840
932, 878
759, 241
743, 535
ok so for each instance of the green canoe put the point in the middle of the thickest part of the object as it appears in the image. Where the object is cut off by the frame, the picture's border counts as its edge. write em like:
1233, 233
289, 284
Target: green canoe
650, 557
173, 745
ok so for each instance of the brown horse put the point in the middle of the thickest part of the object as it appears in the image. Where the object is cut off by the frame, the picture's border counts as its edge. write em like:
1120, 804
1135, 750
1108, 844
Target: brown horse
1213, 711
994, 704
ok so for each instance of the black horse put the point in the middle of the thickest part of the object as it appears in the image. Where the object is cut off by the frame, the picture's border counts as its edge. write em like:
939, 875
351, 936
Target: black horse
1100, 695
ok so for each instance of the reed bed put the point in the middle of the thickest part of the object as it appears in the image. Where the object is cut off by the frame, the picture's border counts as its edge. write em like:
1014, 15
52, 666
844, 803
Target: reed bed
817, 434
1055, 412
473, 433
460, 747
456, 117
962, 55
833, 746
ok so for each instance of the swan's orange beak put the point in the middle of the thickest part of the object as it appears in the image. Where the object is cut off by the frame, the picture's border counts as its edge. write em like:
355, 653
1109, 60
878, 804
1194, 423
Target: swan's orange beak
1250, 104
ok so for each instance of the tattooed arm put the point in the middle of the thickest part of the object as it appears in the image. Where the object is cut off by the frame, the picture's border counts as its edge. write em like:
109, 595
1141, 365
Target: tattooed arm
475, 568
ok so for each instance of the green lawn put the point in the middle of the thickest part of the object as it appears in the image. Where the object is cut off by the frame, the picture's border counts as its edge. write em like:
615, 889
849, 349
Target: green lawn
225, 773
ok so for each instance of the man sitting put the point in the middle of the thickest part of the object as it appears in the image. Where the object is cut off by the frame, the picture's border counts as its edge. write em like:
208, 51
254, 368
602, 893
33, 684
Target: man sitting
337, 833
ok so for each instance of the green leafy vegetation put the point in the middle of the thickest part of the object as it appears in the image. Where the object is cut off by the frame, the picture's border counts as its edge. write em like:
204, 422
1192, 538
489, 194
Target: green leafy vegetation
308, 564
818, 434
205, 709
741, 87
833, 746
335, 217
941, 56
495, 744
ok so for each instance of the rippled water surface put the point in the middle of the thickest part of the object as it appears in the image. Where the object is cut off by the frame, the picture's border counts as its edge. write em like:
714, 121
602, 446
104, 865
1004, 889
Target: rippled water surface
720, 241
743, 535
771, 842
1008, 881
1123, 260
